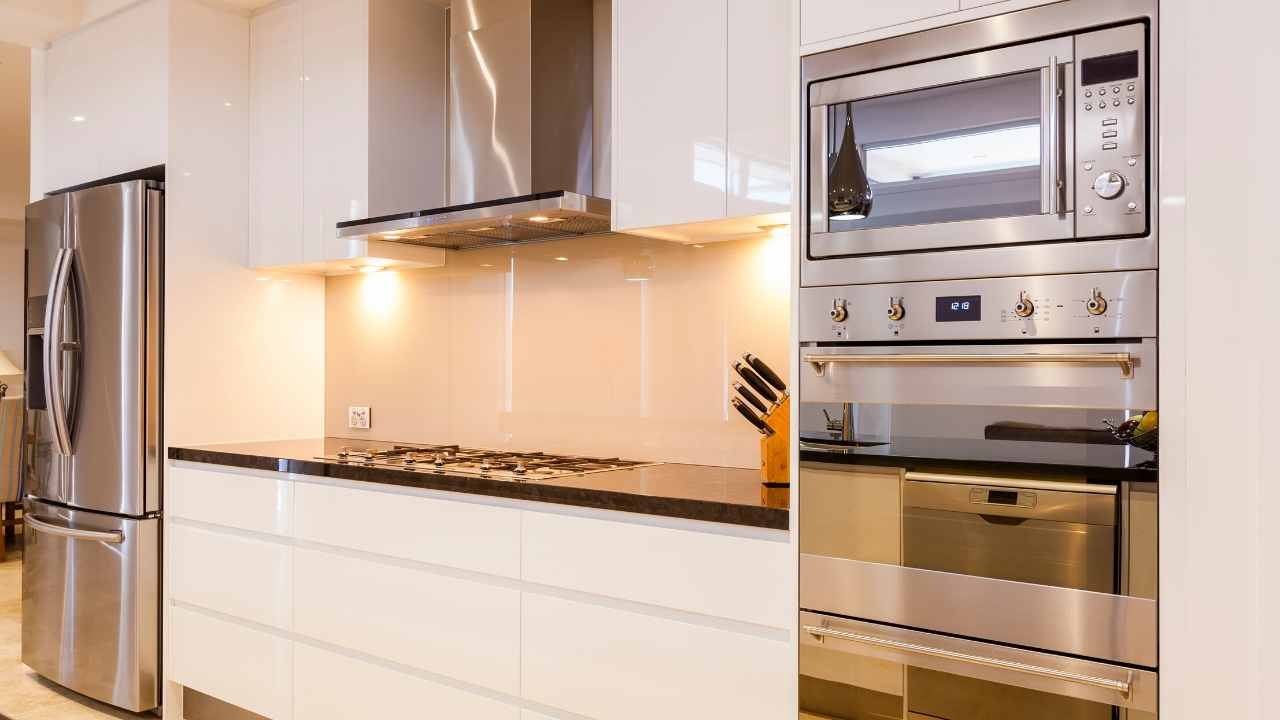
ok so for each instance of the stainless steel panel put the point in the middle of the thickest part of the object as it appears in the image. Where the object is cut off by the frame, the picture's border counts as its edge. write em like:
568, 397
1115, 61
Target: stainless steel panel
967, 380
562, 67
1077, 622
47, 223
108, 469
90, 606
1011, 667
936, 236
1060, 302
153, 440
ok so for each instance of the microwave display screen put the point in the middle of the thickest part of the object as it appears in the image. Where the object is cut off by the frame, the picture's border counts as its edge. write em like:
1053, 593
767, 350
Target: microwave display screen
1109, 68
958, 308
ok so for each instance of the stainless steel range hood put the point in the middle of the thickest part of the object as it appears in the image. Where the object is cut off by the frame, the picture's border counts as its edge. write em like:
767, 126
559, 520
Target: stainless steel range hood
520, 131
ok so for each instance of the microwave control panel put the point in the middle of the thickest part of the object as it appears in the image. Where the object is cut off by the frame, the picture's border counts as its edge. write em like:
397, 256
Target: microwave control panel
1090, 305
1111, 102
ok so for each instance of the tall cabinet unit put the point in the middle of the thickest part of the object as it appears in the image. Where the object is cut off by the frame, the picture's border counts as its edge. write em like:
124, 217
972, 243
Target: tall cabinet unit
701, 130
348, 121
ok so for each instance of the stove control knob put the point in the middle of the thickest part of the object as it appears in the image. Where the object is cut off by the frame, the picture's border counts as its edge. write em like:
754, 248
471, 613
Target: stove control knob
839, 310
1109, 185
1097, 304
1024, 308
896, 311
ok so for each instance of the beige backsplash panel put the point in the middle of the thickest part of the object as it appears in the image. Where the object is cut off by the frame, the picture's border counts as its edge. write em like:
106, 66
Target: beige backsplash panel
604, 345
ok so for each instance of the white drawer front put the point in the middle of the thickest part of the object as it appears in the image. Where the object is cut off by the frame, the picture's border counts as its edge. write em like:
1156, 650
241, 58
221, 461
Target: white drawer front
456, 534
249, 502
240, 576
606, 663
244, 667
725, 576
328, 686
463, 629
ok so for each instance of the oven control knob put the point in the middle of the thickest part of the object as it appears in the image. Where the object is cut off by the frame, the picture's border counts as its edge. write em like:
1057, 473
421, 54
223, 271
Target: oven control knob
896, 311
1097, 304
839, 310
1024, 308
1109, 185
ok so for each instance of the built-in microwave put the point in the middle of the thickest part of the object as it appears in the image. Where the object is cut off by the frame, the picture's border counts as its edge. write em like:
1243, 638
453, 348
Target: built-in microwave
997, 147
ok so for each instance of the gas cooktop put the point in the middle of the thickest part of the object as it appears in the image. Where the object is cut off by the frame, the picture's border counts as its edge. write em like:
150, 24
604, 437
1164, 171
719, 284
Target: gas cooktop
497, 464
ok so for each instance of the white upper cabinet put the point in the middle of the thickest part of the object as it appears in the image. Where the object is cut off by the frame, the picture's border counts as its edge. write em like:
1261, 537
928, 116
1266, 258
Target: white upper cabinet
826, 19
701, 112
106, 98
348, 117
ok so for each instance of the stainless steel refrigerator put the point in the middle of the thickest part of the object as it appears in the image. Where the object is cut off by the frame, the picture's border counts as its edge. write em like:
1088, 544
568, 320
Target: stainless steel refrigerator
91, 566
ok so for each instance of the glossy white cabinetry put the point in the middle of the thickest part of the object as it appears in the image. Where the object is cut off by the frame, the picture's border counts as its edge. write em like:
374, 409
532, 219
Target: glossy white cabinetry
602, 662
826, 19
700, 129
106, 96
359, 600
336, 84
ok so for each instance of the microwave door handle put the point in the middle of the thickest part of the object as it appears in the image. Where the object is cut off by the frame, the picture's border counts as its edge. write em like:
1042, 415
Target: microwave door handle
819, 159
54, 319
1052, 139
1125, 361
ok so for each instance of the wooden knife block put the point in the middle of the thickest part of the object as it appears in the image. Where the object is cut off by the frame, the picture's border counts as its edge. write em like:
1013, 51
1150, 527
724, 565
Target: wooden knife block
775, 457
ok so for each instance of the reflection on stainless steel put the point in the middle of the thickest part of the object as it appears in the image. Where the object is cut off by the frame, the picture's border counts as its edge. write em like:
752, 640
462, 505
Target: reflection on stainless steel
91, 576
91, 603
965, 84
493, 464
999, 669
1077, 622
1123, 360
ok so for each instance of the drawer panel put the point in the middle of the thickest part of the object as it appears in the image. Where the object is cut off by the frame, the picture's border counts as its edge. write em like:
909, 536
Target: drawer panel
722, 575
443, 532
233, 663
240, 576
248, 502
460, 628
328, 686
577, 656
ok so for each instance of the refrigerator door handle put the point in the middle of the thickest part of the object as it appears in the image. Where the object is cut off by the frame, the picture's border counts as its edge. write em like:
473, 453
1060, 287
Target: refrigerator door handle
54, 319
40, 524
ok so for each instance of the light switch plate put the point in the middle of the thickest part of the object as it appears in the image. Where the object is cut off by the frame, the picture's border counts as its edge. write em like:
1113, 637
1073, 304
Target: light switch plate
358, 417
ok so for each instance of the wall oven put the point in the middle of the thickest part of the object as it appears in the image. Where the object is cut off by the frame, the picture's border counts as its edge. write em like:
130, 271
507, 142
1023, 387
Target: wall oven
976, 543
1011, 145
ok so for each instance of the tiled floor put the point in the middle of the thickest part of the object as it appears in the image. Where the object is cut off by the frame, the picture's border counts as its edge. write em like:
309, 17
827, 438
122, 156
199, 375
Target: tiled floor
23, 694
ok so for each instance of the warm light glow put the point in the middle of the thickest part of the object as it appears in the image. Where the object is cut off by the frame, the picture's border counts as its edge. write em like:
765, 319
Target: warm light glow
77, 118
699, 245
264, 278
482, 229
367, 268
539, 219
227, 104
379, 293
773, 266
562, 259
486, 264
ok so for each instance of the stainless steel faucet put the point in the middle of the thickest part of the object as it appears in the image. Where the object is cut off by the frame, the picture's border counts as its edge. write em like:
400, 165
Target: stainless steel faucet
844, 425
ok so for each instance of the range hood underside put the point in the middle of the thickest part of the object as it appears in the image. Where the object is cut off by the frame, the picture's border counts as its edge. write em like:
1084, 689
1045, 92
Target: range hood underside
529, 218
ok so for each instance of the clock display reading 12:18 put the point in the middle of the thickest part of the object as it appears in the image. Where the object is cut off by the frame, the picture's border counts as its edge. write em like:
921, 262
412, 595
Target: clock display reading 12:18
958, 308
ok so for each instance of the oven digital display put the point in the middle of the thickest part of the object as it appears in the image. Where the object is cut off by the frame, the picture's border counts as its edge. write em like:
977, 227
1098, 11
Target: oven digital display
958, 308
1109, 68
1002, 497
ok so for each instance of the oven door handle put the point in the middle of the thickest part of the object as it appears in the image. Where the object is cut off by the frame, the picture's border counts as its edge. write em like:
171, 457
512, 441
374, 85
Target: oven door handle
1123, 687
1052, 141
1124, 360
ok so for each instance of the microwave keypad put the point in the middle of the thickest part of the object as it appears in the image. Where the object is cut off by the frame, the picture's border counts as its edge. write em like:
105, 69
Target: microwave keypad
1110, 132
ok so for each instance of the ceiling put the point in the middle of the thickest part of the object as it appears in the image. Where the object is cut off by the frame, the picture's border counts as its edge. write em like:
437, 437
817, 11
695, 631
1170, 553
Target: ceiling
35, 23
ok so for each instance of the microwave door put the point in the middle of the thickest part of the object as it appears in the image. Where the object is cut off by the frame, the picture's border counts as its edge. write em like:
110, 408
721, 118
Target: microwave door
967, 151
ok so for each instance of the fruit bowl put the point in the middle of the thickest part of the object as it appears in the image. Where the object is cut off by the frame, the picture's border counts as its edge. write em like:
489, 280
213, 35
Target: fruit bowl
1141, 431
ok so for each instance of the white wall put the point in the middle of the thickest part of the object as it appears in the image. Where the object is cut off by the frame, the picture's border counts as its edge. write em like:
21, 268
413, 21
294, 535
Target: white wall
15, 90
1220, 570
244, 358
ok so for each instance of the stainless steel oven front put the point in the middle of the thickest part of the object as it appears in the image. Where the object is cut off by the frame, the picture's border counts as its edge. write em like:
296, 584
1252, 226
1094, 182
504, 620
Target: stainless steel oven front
1011, 145
974, 543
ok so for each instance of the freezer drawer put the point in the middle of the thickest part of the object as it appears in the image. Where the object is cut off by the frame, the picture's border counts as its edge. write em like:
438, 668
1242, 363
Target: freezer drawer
90, 603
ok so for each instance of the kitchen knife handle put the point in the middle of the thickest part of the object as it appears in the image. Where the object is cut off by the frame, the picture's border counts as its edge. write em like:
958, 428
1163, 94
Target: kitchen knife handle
765, 372
751, 417
750, 397
756, 383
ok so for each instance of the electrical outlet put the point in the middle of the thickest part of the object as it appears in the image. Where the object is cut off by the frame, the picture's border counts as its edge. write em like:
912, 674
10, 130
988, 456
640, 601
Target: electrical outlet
358, 417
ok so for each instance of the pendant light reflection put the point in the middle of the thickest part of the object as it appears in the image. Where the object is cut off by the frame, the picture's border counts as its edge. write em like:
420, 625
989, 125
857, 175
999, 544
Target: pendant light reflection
848, 192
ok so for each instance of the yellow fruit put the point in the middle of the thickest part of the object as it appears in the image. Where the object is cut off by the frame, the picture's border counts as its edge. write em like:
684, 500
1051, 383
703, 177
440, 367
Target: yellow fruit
1150, 421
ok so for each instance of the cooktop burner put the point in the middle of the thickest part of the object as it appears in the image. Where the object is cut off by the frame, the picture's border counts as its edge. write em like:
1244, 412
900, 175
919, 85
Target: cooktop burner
500, 464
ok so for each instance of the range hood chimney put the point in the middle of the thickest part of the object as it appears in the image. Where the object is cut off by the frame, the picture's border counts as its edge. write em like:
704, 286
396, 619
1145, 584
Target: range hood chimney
520, 131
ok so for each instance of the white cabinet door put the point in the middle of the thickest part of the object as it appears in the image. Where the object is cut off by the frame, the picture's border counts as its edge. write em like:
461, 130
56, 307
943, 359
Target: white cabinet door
459, 628
335, 148
259, 503
275, 136
827, 19
107, 98
759, 109
669, 152
328, 686
239, 576
601, 662
234, 663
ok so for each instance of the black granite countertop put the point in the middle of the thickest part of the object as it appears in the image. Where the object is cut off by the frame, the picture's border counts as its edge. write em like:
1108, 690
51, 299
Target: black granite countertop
1099, 462
696, 492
